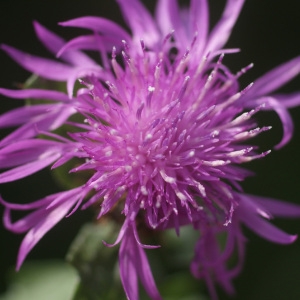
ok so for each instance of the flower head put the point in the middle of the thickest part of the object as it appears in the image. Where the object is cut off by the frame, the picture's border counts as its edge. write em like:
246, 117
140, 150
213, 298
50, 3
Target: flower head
166, 127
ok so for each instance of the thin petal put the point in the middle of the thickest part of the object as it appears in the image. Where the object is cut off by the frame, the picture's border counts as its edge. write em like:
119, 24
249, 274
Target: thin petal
133, 262
266, 230
34, 94
277, 207
285, 117
104, 26
24, 114
82, 72
121, 234
44, 224
271, 103
30, 206
163, 18
223, 28
249, 204
48, 121
29, 168
275, 78
288, 101
24, 224
145, 273
46, 68
21, 152
90, 42
137, 239
208, 263
199, 21
140, 21
168, 18
199, 17
53, 43
128, 272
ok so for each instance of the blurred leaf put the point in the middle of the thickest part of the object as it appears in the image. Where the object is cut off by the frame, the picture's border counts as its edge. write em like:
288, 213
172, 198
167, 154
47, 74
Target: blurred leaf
69, 180
36, 82
177, 253
179, 249
96, 263
42, 280
180, 286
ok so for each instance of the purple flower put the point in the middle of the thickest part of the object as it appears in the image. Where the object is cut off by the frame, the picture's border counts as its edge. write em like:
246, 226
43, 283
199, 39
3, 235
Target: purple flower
166, 128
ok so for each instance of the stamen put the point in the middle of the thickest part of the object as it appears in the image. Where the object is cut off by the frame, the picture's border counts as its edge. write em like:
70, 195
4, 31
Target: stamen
151, 90
184, 86
139, 111
244, 70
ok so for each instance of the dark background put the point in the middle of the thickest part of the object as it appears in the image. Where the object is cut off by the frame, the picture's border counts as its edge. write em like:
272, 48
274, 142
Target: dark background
268, 33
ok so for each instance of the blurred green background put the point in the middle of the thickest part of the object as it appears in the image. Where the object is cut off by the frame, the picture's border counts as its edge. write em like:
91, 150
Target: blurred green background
268, 33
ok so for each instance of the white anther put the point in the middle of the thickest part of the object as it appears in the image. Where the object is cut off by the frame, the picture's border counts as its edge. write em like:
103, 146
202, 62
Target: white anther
112, 131
144, 190
181, 196
191, 153
148, 137
108, 153
128, 168
167, 178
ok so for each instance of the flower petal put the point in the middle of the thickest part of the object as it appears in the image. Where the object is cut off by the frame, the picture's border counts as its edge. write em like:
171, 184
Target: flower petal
275, 78
168, 18
80, 72
101, 25
133, 262
21, 115
277, 207
25, 151
222, 29
140, 22
128, 271
30, 206
45, 222
35, 94
285, 117
53, 43
199, 21
50, 120
29, 168
266, 230
46, 68
121, 234
91, 42
288, 101
208, 263
252, 219
145, 274
24, 224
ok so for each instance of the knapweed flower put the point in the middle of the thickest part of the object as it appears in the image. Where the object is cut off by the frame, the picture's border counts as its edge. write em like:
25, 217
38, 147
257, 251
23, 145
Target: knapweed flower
165, 128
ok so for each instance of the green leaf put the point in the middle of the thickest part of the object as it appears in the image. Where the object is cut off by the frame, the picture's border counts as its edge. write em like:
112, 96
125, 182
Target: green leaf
45, 280
36, 82
96, 263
